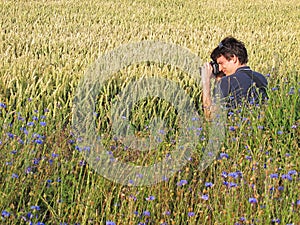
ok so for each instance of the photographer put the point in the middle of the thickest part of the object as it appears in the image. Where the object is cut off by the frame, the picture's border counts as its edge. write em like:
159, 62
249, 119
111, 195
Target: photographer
235, 81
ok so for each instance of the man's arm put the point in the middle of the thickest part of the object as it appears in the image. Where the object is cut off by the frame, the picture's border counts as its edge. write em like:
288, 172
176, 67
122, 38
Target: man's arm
206, 75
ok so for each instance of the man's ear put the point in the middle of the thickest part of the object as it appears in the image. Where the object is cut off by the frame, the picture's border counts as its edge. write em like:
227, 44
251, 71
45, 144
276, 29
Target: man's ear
235, 59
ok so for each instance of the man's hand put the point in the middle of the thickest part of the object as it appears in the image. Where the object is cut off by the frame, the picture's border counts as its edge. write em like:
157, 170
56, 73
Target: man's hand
206, 73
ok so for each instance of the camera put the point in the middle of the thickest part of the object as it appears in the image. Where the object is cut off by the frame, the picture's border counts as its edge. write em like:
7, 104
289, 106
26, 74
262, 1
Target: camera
215, 67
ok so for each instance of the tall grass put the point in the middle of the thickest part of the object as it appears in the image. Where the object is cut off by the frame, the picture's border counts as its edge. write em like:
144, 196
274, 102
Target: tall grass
45, 48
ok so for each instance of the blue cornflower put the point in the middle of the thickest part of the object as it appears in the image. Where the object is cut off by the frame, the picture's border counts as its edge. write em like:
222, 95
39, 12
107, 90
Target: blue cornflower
292, 91
38, 141
14, 175
234, 175
274, 175
133, 197
35, 207
279, 132
242, 219
78, 148
232, 128
224, 174
29, 215
260, 127
14, 152
25, 131
30, 124
2, 105
38, 136
239, 173
209, 184
86, 148
28, 170
248, 157
275, 220
146, 213
36, 161
167, 213
232, 184
298, 202
204, 197
182, 182
82, 163
294, 126
35, 118
252, 200
130, 182
162, 132
286, 177
42, 123
292, 172
20, 118
54, 155
5, 213
280, 188
190, 214
150, 198
226, 183
230, 113
224, 155
10, 135
265, 166
110, 223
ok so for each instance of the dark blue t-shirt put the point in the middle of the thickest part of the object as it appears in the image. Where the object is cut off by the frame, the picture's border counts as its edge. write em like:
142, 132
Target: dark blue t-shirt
244, 84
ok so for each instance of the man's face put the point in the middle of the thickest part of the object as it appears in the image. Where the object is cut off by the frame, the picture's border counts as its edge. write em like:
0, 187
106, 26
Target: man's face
228, 67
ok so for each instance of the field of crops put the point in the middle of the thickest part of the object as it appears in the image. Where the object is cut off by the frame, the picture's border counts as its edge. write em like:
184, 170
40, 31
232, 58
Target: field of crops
46, 47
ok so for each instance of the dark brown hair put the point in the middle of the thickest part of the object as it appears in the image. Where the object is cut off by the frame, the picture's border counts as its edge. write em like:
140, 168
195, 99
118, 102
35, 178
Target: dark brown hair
229, 47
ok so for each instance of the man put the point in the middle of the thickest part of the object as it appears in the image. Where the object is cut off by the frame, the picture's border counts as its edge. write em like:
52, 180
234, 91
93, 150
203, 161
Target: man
239, 84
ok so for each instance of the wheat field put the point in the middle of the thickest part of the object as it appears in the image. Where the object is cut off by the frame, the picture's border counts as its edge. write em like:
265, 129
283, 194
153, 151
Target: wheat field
46, 47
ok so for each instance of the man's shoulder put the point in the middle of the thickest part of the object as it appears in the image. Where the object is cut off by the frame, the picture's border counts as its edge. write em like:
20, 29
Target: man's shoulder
238, 76
259, 75
247, 71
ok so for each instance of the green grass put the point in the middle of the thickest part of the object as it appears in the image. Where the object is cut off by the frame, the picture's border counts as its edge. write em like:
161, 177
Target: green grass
46, 47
